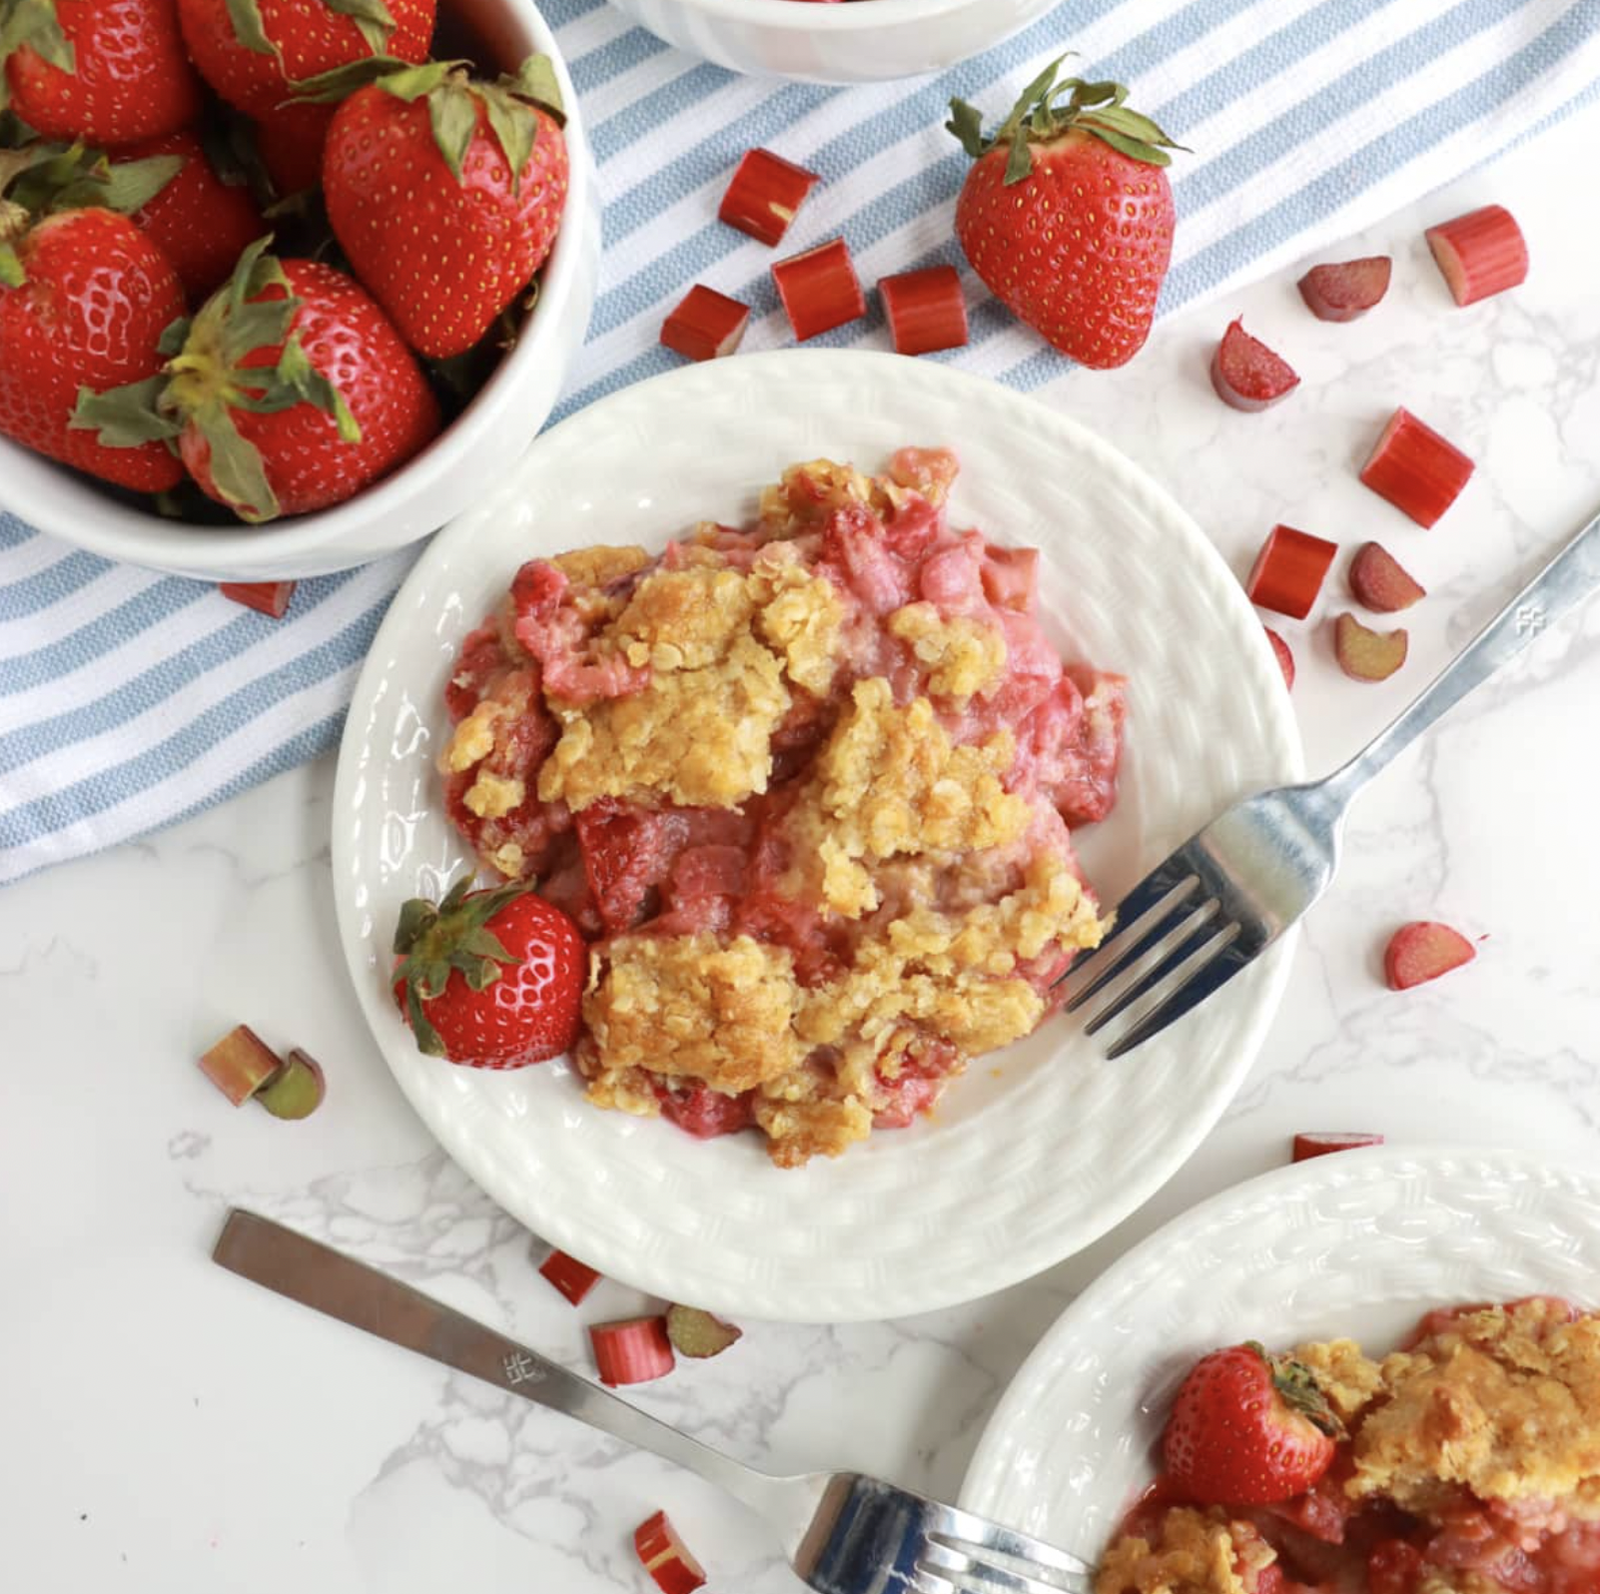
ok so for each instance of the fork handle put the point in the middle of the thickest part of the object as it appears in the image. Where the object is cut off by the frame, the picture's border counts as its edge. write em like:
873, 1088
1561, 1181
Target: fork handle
330, 1282
1569, 578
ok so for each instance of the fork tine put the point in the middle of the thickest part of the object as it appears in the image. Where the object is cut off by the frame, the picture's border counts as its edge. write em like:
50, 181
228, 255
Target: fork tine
982, 1539
1146, 927
1135, 904
969, 1571
1207, 977
1185, 914
1205, 927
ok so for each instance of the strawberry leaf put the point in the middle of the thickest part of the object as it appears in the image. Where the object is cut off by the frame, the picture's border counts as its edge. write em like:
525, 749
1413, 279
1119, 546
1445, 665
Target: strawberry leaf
453, 115
966, 122
301, 377
514, 125
372, 19
261, 324
127, 416
130, 185
173, 337
249, 29
1133, 148
536, 80
411, 83
11, 273
339, 82
236, 469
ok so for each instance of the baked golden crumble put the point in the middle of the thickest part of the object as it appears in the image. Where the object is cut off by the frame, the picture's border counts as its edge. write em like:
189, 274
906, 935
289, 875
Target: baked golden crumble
1194, 1552
790, 781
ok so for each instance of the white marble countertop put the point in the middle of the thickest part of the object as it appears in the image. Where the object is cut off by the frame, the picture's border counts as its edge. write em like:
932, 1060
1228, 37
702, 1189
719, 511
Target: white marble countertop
169, 1428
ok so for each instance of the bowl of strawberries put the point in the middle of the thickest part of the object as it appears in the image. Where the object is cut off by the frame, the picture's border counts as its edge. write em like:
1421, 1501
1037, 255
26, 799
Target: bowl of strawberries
282, 282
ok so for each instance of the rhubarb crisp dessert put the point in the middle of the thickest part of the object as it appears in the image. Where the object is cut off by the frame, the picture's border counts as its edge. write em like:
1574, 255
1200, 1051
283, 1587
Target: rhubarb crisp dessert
1467, 1462
807, 788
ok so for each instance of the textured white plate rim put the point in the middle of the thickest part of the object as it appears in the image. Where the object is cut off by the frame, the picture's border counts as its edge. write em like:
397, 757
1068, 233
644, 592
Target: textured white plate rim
560, 1221
1024, 1409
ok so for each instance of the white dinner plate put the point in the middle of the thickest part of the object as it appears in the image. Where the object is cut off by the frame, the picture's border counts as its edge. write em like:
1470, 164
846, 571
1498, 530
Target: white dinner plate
1040, 1149
1358, 1245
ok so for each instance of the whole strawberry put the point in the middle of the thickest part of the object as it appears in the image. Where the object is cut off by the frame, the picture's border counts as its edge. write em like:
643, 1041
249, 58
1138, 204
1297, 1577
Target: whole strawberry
1248, 1429
1067, 215
291, 391
252, 52
489, 978
199, 222
290, 141
104, 71
85, 298
446, 194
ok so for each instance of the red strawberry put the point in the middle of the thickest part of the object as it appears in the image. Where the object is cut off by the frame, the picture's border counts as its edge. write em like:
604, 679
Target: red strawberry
446, 194
200, 223
1248, 1429
252, 51
84, 300
1067, 216
491, 978
290, 140
291, 391
104, 71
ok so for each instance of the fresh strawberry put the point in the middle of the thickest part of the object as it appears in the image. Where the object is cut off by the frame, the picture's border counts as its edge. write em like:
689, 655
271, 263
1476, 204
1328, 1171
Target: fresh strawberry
446, 194
199, 222
290, 141
253, 52
84, 300
291, 391
490, 978
1248, 1429
1067, 215
103, 71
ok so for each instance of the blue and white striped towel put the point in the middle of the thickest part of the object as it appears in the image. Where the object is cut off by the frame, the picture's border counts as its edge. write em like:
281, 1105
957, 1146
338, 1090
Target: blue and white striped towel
129, 700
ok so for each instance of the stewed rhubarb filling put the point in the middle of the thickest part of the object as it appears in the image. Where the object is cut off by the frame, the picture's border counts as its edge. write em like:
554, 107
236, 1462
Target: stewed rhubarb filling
807, 787
1469, 1464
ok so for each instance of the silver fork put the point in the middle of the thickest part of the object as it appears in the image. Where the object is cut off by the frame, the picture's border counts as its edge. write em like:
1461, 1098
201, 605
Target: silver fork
842, 1533
1221, 899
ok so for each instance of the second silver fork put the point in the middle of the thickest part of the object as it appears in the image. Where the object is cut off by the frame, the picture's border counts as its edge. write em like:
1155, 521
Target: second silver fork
1220, 900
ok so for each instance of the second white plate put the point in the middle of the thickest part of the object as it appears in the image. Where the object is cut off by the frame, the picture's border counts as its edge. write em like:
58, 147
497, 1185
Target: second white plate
1042, 1148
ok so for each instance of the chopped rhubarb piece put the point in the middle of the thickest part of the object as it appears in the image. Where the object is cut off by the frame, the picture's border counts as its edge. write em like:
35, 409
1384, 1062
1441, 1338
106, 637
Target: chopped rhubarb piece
1378, 581
1417, 470
297, 1090
1480, 254
926, 310
1347, 290
1423, 950
698, 1334
764, 195
665, 1557
1321, 1143
1365, 654
1289, 570
573, 1278
632, 1351
1247, 374
240, 1064
819, 289
1280, 651
706, 326
270, 598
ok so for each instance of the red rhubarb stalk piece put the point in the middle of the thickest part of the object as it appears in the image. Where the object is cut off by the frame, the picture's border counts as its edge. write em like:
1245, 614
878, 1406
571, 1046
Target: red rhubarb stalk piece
819, 289
1247, 374
706, 326
1348, 289
1322, 1142
665, 1557
926, 310
240, 1064
764, 195
632, 1351
1379, 582
1423, 950
1282, 653
1480, 254
270, 598
1417, 470
698, 1334
573, 1278
1365, 654
1288, 572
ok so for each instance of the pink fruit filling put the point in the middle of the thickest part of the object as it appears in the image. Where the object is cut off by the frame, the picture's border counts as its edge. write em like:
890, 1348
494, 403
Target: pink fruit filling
807, 786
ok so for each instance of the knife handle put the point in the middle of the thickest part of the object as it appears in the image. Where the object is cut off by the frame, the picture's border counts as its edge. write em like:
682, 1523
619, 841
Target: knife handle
339, 1286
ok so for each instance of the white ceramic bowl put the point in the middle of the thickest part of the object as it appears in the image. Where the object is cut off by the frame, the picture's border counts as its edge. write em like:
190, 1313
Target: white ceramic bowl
422, 495
864, 41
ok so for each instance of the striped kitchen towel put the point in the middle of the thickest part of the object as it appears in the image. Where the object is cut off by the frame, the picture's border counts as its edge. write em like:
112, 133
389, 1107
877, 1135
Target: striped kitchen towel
129, 700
